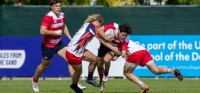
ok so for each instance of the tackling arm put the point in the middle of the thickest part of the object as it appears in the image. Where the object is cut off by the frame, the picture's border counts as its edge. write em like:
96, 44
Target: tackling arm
101, 33
107, 44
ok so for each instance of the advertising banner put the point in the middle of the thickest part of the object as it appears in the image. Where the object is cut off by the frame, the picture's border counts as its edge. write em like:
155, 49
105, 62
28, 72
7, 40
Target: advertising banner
19, 56
173, 51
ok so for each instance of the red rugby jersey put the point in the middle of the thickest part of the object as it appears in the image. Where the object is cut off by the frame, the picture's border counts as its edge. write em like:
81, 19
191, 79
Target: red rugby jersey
53, 23
117, 42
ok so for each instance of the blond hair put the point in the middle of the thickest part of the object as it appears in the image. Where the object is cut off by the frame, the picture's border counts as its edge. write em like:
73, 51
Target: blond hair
94, 17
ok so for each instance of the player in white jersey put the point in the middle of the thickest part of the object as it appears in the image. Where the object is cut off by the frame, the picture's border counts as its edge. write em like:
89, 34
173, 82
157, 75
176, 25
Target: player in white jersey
139, 55
76, 52
52, 26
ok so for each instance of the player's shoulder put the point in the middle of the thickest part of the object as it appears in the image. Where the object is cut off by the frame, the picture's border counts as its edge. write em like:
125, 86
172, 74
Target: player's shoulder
115, 24
48, 16
127, 39
112, 23
50, 13
90, 25
135, 44
62, 14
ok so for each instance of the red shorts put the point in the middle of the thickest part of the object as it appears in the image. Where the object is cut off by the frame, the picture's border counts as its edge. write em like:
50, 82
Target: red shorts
72, 59
140, 57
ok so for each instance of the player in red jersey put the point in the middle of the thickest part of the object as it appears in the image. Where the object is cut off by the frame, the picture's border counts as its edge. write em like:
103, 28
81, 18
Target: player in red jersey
52, 26
139, 55
76, 48
105, 55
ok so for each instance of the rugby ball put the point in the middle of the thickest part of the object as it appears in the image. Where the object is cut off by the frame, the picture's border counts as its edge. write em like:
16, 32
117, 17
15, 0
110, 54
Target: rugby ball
110, 33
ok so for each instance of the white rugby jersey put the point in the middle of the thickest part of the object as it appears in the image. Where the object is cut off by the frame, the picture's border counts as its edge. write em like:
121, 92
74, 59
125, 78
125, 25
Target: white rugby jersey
53, 23
78, 43
133, 47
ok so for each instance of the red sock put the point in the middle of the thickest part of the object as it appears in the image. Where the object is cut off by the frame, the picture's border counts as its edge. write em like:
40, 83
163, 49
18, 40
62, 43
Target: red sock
35, 80
101, 77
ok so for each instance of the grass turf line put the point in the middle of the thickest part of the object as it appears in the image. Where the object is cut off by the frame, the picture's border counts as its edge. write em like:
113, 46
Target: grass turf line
112, 86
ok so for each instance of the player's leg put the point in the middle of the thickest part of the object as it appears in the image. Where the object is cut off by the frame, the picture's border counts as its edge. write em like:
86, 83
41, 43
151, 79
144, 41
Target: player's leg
107, 59
103, 72
91, 69
75, 78
76, 63
47, 54
153, 68
90, 57
44, 65
162, 70
61, 53
148, 61
128, 72
106, 71
71, 71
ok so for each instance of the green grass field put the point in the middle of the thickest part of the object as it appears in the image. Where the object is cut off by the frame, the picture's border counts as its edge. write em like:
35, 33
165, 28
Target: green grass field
112, 86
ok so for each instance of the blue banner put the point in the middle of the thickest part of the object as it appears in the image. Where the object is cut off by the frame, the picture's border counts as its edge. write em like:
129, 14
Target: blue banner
173, 51
20, 55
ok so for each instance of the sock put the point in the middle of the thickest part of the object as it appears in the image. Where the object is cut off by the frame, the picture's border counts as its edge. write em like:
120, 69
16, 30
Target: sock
74, 85
101, 77
170, 70
90, 76
35, 79
141, 84
106, 72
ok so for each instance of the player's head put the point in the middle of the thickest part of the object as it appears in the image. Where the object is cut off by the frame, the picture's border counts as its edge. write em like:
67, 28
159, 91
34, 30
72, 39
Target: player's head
95, 19
55, 6
125, 30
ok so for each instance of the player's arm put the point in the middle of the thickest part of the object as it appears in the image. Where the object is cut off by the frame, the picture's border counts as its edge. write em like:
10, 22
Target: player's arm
124, 48
94, 32
46, 22
45, 31
107, 44
101, 33
66, 31
115, 57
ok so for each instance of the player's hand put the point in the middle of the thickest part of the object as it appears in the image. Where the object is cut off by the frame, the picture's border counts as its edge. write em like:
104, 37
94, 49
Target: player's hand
124, 54
116, 51
58, 32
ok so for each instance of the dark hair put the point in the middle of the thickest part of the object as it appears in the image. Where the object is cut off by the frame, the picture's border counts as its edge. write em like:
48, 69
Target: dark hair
125, 28
52, 2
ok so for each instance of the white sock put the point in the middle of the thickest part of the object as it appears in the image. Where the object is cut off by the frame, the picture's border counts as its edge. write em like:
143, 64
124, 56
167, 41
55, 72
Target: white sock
170, 70
141, 84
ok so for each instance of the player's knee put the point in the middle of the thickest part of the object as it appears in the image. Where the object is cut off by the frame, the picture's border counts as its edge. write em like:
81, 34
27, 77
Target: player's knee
125, 73
45, 66
107, 60
93, 63
78, 71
